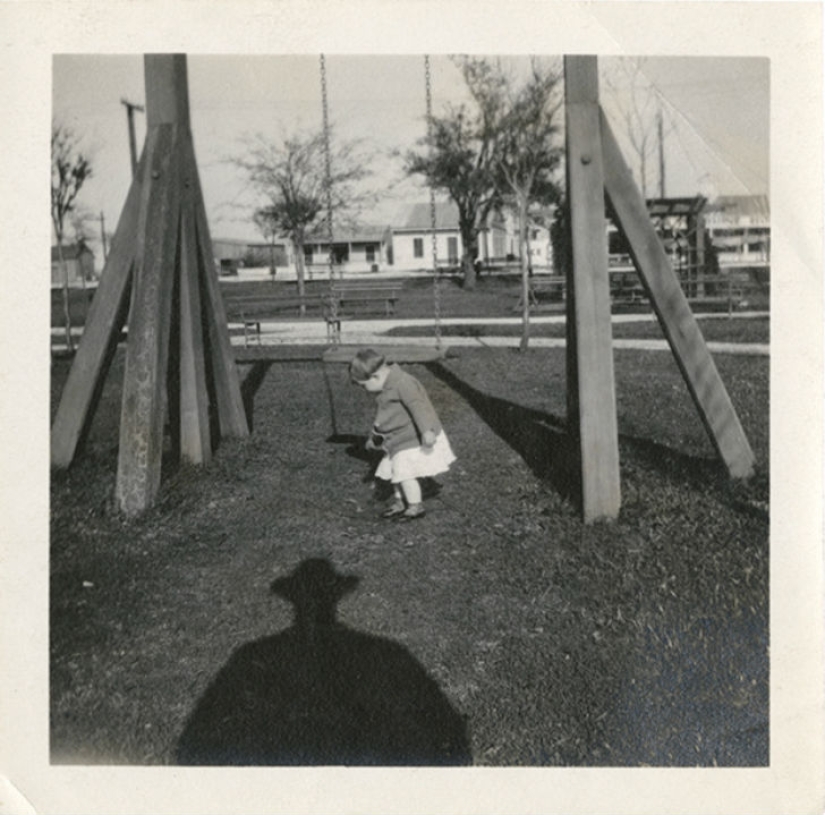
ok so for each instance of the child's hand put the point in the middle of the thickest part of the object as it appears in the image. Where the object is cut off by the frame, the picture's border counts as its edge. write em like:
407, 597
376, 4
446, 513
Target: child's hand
428, 438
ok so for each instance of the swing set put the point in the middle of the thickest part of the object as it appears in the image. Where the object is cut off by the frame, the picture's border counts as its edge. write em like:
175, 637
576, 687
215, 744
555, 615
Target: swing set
340, 353
160, 277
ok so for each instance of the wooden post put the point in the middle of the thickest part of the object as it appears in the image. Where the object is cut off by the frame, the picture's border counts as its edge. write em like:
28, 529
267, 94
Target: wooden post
675, 317
147, 351
592, 357
104, 323
178, 354
195, 442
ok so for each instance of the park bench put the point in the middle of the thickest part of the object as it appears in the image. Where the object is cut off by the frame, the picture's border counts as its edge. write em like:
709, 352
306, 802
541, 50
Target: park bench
366, 293
721, 290
252, 310
541, 291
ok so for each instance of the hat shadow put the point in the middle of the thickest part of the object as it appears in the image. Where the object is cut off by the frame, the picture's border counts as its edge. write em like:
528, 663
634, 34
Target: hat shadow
321, 693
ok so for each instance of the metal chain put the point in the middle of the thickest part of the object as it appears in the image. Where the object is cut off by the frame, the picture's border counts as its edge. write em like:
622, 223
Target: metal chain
333, 302
436, 280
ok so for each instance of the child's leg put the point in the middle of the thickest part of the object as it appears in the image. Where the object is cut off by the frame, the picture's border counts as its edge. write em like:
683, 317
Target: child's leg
396, 506
412, 491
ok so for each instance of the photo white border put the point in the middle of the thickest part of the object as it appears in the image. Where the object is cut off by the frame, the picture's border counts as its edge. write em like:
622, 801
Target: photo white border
788, 33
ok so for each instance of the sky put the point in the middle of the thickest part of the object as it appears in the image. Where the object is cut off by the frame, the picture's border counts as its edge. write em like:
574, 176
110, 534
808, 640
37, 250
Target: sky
716, 113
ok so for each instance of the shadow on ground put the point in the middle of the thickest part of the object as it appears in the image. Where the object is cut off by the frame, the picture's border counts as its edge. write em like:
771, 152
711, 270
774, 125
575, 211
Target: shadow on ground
538, 437
320, 693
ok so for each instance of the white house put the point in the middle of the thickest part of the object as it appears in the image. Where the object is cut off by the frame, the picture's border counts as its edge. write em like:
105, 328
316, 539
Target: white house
356, 251
739, 227
412, 236
79, 262
538, 242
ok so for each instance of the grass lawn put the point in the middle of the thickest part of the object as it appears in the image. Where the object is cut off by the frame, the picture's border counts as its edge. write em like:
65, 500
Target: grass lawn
745, 330
497, 630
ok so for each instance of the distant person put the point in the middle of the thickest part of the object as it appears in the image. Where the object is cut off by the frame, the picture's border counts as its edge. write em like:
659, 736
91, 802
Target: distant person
406, 428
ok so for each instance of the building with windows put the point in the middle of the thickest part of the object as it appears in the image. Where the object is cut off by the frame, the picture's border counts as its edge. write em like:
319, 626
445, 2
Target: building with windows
412, 238
231, 254
79, 262
354, 251
740, 228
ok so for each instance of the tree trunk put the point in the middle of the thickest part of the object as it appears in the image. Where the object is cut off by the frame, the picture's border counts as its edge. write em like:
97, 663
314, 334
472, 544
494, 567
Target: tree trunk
66, 311
468, 271
85, 294
469, 240
524, 251
299, 271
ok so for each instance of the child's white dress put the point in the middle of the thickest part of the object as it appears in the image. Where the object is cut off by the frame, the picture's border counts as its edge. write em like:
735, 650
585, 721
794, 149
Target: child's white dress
418, 462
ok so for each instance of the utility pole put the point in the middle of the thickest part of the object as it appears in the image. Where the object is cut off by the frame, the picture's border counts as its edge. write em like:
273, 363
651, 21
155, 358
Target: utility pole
130, 115
661, 133
103, 236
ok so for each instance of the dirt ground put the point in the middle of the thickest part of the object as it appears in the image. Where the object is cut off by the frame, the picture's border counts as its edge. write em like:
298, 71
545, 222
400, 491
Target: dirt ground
497, 630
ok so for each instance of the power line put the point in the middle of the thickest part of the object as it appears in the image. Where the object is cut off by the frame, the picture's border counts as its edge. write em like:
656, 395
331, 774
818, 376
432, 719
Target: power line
713, 148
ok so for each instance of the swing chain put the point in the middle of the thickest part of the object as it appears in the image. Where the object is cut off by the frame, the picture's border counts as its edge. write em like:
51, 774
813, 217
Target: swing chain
436, 281
333, 303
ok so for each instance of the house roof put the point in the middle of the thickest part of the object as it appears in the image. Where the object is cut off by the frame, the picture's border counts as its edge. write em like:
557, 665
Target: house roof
364, 234
757, 206
418, 217
663, 207
71, 251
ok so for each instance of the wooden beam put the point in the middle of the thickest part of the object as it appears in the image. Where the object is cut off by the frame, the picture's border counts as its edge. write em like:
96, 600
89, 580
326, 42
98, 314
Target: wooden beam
195, 444
167, 91
104, 323
674, 314
593, 378
147, 350
224, 369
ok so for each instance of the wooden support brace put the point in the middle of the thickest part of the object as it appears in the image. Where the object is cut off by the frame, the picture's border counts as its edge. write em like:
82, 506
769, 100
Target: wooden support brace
195, 442
592, 356
227, 386
674, 313
147, 351
104, 322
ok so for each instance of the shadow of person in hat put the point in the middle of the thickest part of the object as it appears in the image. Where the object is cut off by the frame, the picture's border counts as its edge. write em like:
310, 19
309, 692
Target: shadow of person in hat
320, 693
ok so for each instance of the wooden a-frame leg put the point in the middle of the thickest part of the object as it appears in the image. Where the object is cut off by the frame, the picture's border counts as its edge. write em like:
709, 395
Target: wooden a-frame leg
195, 442
104, 323
227, 387
592, 356
147, 350
674, 313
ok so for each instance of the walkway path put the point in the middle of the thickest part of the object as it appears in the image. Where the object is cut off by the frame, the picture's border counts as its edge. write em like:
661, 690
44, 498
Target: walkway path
374, 333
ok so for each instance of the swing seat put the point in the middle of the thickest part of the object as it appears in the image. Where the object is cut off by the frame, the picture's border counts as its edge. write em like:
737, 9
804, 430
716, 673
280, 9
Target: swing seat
393, 353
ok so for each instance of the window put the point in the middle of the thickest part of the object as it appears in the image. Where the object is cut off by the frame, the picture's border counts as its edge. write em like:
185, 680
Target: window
452, 250
307, 254
370, 251
418, 247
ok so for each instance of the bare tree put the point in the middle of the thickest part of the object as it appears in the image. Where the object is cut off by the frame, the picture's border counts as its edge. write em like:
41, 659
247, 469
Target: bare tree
70, 170
529, 158
459, 154
289, 175
640, 110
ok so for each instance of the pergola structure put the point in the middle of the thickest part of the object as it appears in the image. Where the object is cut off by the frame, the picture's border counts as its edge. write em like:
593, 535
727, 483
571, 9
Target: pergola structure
179, 363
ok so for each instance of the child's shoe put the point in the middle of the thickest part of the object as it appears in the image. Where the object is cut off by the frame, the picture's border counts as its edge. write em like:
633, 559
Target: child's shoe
395, 509
412, 512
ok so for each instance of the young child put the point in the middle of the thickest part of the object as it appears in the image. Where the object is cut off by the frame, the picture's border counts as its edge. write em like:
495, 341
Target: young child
406, 428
